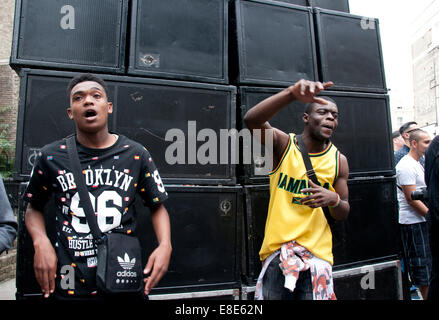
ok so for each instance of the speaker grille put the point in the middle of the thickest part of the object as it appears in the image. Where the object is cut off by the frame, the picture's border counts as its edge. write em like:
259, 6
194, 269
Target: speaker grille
275, 51
363, 133
82, 34
180, 39
350, 52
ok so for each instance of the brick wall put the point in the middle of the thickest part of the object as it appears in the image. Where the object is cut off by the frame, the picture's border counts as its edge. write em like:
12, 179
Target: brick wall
9, 88
7, 265
9, 81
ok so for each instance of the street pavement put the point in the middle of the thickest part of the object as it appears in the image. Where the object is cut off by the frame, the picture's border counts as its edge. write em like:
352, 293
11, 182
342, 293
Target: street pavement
7, 290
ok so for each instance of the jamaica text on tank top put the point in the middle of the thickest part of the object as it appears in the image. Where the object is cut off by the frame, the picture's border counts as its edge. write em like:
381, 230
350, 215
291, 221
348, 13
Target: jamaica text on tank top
289, 220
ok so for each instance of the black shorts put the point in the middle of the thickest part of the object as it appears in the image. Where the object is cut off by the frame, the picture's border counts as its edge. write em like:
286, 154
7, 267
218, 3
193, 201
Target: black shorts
417, 252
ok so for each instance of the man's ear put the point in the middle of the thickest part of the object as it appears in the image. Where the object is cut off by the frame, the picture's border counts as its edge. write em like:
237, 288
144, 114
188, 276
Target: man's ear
69, 113
305, 117
110, 107
413, 144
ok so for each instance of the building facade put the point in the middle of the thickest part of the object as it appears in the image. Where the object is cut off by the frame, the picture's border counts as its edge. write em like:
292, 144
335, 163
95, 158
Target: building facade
425, 54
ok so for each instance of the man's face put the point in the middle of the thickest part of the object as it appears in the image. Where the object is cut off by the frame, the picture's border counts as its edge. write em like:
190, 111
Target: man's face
422, 144
322, 120
398, 142
89, 107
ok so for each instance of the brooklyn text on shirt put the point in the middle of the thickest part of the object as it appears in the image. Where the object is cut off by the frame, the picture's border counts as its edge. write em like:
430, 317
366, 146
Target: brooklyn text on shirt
96, 178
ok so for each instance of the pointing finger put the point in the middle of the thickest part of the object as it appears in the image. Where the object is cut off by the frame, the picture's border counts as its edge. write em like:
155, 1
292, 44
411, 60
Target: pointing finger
312, 184
321, 101
319, 86
328, 84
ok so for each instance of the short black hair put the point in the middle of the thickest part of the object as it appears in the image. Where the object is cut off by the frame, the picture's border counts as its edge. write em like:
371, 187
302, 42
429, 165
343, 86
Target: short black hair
405, 126
309, 106
85, 77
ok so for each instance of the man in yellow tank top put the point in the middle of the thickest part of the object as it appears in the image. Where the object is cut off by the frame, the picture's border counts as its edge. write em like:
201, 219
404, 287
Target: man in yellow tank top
297, 246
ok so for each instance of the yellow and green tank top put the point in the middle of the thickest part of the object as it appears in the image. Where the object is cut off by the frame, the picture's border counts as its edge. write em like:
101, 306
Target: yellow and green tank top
289, 220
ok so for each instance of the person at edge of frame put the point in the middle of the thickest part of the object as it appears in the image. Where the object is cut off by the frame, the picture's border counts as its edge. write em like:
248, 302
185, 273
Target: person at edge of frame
432, 182
8, 223
118, 169
297, 248
398, 141
405, 131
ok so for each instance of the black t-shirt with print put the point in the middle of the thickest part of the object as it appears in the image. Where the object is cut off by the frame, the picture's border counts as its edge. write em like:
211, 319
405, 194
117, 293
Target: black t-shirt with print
113, 177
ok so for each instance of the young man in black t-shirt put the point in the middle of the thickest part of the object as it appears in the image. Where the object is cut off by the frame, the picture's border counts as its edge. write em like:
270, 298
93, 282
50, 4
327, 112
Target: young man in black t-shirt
116, 169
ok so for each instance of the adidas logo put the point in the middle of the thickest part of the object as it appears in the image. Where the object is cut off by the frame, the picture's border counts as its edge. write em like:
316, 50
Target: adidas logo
126, 263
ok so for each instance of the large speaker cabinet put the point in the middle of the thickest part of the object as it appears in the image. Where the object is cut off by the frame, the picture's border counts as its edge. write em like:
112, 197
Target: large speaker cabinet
370, 281
180, 39
145, 110
206, 227
297, 2
272, 51
337, 5
363, 133
206, 224
376, 281
349, 50
370, 233
75, 34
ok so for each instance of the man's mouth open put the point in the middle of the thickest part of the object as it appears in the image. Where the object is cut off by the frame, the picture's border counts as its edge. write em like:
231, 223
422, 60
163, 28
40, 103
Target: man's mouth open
90, 114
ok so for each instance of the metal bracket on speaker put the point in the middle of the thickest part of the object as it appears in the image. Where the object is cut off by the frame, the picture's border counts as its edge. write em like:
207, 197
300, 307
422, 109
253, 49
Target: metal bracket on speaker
150, 60
225, 207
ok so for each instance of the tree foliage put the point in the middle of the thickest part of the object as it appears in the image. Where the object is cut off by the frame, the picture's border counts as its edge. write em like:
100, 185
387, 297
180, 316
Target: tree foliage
6, 147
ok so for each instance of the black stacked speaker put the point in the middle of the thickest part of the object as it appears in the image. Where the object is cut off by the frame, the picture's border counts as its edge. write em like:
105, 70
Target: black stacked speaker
347, 52
77, 34
167, 71
206, 224
338, 5
157, 113
145, 110
298, 2
355, 241
354, 67
180, 39
276, 50
42, 115
362, 131
181, 74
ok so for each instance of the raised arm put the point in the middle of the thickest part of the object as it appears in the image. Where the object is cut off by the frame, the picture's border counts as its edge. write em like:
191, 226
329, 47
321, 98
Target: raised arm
258, 116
